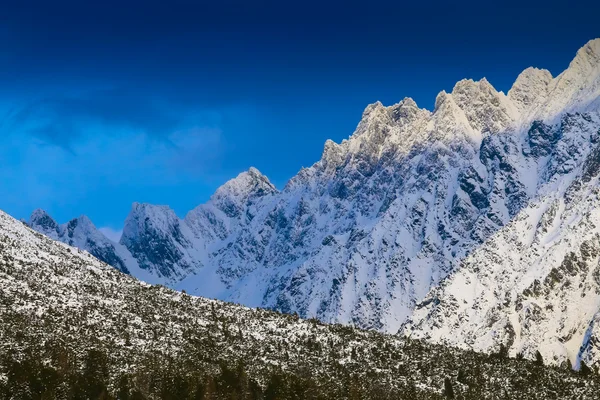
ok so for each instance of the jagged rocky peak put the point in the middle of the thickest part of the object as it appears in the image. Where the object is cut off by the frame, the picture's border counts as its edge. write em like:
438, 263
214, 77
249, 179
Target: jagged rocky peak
82, 228
487, 110
235, 194
80, 232
158, 240
373, 109
145, 217
333, 154
248, 183
588, 57
374, 116
83, 223
450, 121
373, 130
445, 103
42, 222
577, 89
405, 111
530, 89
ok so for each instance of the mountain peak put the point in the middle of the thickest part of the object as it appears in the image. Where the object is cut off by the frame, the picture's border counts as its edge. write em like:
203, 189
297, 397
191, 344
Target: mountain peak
82, 223
589, 53
440, 99
332, 153
40, 215
373, 107
235, 194
449, 119
530, 89
471, 93
486, 109
405, 111
145, 217
42, 222
245, 185
585, 67
576, 89
254, 172
464, 86
152, 211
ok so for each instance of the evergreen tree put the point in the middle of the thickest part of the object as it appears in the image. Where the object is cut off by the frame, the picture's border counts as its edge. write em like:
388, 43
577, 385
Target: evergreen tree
448, 390
95, 375
461, 377
123, 392
584, 369
539, 360
275, 388
503, 351
210, 389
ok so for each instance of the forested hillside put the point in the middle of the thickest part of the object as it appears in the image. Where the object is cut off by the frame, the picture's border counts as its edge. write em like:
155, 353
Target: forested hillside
76, 328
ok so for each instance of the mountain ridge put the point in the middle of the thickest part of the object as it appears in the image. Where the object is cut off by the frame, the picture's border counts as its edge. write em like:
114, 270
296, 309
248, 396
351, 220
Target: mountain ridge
385, 216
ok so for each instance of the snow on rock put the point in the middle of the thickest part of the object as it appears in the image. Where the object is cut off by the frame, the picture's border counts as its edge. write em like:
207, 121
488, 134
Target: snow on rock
530, 90
535, 284
487, 110
81, 232
159, 241
476, 200
44, 223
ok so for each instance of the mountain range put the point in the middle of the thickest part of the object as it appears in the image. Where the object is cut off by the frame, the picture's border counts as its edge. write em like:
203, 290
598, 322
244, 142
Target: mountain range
474, 224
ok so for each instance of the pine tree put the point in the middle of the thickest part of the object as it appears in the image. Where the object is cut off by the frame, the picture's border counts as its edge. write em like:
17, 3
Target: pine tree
503, 351
95, 375
584, 369
123, 392
275, 388
539, 360
448, 390
461, 377
210, 389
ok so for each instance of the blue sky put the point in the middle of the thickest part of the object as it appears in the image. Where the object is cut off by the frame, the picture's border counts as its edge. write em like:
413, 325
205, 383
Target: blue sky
105, 104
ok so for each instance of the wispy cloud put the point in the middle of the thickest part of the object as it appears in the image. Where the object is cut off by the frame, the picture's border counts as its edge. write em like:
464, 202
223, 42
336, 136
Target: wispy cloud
64, 151
65, 120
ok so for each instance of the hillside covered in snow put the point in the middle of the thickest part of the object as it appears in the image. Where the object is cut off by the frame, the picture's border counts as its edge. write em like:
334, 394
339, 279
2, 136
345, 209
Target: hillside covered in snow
74, 327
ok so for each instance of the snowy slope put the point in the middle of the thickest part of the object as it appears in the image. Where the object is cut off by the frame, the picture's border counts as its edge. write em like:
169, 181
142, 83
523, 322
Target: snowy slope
534, 285
363, 235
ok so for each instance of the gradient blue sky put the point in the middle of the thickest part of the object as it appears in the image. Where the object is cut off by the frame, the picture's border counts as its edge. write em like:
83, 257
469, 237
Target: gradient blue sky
109, 103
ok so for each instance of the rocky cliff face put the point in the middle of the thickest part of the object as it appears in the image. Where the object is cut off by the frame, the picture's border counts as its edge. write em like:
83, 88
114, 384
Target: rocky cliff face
533, 285
414, 200
81, 232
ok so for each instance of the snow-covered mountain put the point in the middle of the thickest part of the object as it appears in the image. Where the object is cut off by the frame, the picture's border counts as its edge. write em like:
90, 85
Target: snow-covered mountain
487, 182
80, 232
